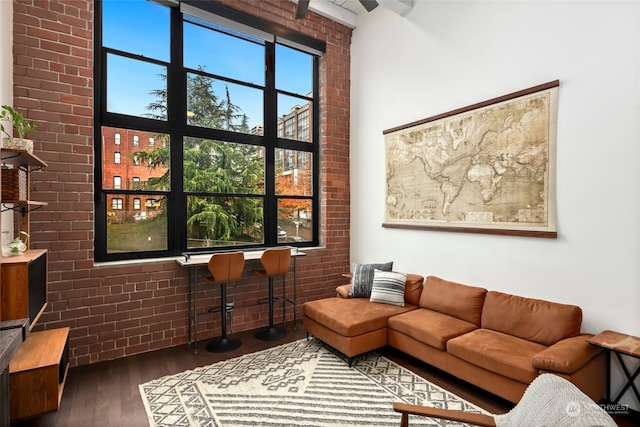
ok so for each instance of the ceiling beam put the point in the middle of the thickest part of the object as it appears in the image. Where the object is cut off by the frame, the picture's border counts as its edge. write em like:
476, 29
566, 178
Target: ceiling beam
346, 17
332, 11
301, 9
369, 4
401, 7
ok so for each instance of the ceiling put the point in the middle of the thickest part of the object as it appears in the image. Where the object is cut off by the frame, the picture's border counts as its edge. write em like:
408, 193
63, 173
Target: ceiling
353, 6
347, 12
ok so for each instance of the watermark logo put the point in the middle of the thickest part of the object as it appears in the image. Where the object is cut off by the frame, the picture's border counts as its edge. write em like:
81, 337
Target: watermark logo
572, 409
615, 408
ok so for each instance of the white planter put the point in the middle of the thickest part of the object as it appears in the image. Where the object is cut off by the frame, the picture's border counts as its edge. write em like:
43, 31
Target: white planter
23, 144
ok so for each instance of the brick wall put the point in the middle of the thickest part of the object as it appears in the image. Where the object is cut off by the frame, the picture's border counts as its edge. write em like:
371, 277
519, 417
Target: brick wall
115, 311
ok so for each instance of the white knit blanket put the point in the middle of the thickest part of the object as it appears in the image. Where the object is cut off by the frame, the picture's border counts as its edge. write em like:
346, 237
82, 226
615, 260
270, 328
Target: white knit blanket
552, 401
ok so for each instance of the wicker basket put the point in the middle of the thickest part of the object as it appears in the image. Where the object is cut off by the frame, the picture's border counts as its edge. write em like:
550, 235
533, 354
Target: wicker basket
14, 184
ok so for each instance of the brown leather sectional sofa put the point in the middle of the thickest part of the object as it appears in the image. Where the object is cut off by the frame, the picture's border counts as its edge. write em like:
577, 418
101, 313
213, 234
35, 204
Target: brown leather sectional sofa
496, 341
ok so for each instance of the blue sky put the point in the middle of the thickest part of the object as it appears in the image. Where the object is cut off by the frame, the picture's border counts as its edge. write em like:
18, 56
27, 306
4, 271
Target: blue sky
142, 28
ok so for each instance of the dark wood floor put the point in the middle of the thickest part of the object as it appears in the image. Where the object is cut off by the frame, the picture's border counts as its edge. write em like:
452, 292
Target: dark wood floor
106, 394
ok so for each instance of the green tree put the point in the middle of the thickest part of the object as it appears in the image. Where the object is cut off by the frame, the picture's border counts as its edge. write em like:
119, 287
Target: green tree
234, 170
231, 114
203, 107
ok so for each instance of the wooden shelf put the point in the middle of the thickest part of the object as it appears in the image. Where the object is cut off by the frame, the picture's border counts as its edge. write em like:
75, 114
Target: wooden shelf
30, 204
26, 257
16, 187
38, 369
25, 202
18, 157
38, 372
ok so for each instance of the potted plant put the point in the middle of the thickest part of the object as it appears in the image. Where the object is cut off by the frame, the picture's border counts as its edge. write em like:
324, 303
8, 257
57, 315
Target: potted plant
21, 126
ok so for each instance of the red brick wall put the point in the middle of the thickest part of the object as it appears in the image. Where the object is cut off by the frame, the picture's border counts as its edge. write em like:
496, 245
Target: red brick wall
115, 311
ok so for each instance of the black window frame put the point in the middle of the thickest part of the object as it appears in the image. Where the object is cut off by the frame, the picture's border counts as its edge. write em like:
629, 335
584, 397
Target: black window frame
176, 127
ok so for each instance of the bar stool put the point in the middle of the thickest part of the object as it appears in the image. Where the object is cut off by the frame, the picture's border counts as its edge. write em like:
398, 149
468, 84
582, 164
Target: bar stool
224, 268
275, 262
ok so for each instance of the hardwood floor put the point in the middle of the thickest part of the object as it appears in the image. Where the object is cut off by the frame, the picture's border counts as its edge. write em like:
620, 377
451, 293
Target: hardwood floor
106, 394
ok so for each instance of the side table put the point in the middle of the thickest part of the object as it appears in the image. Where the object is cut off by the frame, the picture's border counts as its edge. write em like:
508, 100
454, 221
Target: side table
619, 344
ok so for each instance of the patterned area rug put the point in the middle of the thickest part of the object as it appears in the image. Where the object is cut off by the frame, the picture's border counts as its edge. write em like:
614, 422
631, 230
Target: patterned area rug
303, 383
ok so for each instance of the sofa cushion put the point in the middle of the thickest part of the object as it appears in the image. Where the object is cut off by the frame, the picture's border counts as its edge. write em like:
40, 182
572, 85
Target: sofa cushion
457, 300
353, 316
430, 327
497, 352
388, 287
413, 289
535, 320
362, 279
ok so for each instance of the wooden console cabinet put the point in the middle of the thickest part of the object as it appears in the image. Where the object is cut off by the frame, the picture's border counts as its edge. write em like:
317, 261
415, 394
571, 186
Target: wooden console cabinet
23, 286
37, 373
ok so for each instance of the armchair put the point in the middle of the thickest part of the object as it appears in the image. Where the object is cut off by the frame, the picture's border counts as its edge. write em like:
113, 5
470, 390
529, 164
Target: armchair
549, 400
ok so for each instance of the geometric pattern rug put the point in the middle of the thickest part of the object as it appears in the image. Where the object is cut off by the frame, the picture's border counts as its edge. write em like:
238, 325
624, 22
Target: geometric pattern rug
303, 383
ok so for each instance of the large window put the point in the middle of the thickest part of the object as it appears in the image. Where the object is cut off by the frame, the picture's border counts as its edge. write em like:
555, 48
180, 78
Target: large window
231, 114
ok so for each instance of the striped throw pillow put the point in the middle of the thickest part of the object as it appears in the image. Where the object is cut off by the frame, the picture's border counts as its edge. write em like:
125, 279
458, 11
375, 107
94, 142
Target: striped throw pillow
388, 287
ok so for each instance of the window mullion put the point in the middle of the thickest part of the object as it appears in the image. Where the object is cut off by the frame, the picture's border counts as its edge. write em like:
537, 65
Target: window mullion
270, 133
315, 137
176, 111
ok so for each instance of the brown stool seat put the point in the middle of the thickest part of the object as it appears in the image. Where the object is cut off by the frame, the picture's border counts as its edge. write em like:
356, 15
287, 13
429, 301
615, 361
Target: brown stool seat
275, 262
224, 268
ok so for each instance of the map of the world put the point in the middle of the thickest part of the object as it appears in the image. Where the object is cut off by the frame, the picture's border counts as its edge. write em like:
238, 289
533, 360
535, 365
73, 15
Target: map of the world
490, 167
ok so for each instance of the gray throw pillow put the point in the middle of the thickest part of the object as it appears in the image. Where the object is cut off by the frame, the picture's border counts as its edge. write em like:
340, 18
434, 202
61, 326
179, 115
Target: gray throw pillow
362, 279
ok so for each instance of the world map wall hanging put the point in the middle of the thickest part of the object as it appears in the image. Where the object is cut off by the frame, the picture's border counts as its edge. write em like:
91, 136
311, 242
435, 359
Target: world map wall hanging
485, 168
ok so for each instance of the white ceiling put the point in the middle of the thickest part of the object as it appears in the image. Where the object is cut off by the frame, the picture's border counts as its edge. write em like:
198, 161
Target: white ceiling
347, 12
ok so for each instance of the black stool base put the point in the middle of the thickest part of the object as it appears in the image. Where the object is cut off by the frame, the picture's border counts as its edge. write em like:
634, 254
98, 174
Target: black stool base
224, 345
271, 334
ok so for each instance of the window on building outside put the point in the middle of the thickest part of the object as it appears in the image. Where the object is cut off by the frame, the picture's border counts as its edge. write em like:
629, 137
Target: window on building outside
117, 182
237, 120
116, 203
303, 125
116, 139
116, 157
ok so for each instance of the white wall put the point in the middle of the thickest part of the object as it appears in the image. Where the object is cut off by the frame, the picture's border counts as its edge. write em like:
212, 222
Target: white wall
449, 54
6, 52
6, 89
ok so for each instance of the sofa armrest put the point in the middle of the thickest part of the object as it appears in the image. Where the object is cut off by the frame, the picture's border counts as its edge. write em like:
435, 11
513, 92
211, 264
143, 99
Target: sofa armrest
567, 355
444, 414
343, 290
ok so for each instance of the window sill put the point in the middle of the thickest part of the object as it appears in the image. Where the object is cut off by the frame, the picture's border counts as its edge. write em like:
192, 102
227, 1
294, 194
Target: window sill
147, 261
